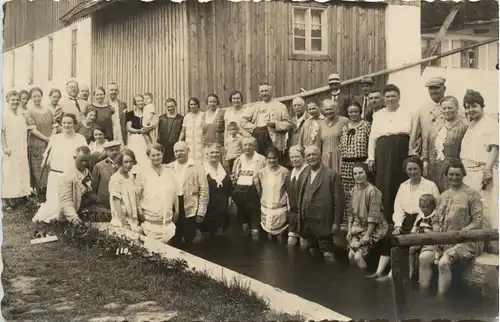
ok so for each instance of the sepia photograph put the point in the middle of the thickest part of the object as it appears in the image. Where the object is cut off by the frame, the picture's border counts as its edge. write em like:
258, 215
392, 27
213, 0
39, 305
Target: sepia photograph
246, 160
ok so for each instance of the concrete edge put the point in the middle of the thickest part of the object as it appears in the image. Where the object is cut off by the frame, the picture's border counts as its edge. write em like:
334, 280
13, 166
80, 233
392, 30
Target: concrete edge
278, 299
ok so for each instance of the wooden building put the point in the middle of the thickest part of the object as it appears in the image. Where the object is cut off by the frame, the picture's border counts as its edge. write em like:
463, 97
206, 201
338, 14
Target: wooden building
193, 49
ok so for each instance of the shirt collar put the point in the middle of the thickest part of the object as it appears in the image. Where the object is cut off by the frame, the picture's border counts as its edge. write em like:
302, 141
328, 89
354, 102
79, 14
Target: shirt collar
189, 162
296, 172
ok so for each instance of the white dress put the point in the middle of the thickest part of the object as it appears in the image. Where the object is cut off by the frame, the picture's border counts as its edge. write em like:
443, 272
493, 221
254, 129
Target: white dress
15, 168
59, 154
194, 135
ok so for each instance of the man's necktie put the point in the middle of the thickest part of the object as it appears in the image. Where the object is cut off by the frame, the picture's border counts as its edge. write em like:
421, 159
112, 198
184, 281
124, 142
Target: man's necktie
77, 104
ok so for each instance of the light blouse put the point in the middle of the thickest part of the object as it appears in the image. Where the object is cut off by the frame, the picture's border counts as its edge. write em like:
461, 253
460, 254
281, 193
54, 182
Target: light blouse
61, 150
478, 140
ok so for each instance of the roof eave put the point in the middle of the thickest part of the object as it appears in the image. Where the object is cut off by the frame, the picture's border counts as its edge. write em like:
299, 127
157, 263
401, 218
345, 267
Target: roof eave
83, 10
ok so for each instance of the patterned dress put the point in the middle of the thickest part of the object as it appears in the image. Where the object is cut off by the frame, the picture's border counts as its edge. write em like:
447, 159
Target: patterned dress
329, 139
443, 147
365, 209
353, 148
43, 122
458, 210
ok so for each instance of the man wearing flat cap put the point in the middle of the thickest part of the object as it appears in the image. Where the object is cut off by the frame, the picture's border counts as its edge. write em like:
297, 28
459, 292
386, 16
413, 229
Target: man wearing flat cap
428, 116
103, 171
366, 86
335, 92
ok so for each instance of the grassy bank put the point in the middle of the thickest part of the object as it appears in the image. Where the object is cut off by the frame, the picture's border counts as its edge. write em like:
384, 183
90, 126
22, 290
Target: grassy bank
80, 278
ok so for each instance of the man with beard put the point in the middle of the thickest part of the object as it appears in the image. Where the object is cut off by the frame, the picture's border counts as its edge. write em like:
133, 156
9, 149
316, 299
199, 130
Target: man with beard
268, 121
336, 95
102, 172
118, 118
428, 116
322, 204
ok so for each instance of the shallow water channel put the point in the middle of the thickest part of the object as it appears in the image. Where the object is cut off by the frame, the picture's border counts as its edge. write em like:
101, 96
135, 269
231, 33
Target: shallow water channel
339, 287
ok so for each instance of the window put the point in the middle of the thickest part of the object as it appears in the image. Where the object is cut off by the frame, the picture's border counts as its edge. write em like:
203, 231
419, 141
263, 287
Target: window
426, 44
469, 58
51, 59
13, 75
309, 31
32, 64
74, 43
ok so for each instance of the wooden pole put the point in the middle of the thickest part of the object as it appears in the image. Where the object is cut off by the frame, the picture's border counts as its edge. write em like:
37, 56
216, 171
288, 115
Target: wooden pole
400, 261
444, 238
440, 35
323, 89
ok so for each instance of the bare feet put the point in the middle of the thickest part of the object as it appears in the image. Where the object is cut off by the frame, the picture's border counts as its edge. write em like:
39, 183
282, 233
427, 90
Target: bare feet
255, 234
292, 240
329, 257
374, 275
384, 278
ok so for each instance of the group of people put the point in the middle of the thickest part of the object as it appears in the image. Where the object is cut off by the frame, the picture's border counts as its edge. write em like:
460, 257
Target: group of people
363, 165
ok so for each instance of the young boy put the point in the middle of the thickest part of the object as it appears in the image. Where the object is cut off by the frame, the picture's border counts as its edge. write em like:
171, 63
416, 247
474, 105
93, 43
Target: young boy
148, 116
423, 224
233, 144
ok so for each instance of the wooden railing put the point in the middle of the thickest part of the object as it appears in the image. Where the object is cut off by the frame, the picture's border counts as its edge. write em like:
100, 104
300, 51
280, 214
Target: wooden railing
400, 259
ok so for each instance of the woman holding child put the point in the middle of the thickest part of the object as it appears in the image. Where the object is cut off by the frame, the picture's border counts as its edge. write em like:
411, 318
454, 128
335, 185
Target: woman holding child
459, 208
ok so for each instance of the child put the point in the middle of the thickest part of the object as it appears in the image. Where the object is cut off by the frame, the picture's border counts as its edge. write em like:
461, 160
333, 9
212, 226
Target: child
148, 116
96, 146
234, 147
423, 224
270, 185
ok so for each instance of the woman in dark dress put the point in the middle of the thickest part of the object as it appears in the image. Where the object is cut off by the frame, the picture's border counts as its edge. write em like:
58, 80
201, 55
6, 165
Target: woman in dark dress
169, 129
219, 189
104, 112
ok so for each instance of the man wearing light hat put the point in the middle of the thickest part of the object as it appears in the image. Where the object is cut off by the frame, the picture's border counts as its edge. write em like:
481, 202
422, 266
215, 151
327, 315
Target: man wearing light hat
428, 116
336, 95
102, 172
367, 86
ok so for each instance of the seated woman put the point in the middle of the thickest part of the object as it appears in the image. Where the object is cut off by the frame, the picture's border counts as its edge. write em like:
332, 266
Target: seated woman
459, 208
124, 196
219, 189
406, 208
270, 185
366, 222
158, 196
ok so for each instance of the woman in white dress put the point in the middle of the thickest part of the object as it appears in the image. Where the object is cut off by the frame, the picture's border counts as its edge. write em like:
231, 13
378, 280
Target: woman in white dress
158, 196
192, 130
15, 166
479, 155
59, 157
136, 140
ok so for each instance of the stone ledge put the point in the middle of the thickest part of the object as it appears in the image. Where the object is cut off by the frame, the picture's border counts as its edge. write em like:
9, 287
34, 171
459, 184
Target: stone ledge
278, 299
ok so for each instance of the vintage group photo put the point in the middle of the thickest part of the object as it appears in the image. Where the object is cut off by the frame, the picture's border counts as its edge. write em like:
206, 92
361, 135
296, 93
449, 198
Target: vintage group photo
250, 161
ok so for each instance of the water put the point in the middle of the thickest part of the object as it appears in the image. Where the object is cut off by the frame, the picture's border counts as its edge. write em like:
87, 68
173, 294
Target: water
340, 287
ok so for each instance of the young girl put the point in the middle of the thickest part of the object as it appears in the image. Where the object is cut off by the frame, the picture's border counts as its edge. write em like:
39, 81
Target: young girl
423, 224
96, 146
148, 116
270, 184
234, 147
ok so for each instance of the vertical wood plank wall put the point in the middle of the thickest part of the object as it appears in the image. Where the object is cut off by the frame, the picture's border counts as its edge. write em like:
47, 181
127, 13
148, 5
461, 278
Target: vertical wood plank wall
26, 21
143, 48
238, 45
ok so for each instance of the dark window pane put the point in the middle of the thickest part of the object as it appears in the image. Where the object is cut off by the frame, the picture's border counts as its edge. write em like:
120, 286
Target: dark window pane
299, 44
299, 30
316, 31
316, 44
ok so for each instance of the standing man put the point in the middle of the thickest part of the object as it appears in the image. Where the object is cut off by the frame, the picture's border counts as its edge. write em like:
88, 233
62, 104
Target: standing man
322, 203
84, 93
103, 171
71, 103
335, 91
375, 104
427, 116
268, 121
298, 120
118, 118
363, 100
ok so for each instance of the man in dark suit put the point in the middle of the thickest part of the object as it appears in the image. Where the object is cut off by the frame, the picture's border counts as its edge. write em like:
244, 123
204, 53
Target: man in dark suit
367, 86
375, 104
335, 94
119, 128
102, 172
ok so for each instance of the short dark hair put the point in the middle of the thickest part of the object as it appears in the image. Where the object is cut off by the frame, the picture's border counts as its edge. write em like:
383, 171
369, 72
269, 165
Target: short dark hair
99, 127
353, 102
88, 109
361, 165
83, 149
171, 100
23, 92
391, 88
413, 159
472, 96
272, 149
70, 115
123, 153
55, 90
456, 164
35, 89
234, 93
99, 88
232, 124
374, 90
214, 96
428, 198
157, 147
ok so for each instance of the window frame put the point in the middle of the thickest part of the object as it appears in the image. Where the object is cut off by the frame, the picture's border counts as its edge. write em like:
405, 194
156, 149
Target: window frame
74, 52
468, 42
31, 73
308, 54
50, 63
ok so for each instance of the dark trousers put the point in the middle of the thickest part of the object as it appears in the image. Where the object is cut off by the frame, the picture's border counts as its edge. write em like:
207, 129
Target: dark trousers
248, 204
323, 243
185, 228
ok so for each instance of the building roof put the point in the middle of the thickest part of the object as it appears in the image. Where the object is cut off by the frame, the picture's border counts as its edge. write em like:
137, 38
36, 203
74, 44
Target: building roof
84, 9
433, 14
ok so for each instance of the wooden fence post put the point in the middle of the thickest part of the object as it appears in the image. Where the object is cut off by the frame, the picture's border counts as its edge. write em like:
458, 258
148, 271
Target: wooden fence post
401, 281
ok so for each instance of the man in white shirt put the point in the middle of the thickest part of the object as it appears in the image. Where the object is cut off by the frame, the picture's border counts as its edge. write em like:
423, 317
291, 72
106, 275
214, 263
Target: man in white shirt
192, 191
118, 118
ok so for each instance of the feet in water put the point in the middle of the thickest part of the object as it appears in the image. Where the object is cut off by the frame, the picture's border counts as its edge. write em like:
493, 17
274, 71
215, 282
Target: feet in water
374, 275
329, 257
384, 278
255, 235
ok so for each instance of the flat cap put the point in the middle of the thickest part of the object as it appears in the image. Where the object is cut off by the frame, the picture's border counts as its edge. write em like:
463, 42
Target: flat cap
435, 81
367, 80
112, 144
333, 78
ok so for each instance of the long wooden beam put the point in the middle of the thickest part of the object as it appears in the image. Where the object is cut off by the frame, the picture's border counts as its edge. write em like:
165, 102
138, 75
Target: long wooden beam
444, 238
440, 35
387, 71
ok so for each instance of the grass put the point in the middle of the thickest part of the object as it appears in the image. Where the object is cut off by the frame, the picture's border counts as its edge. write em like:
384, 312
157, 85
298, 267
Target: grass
83, 279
